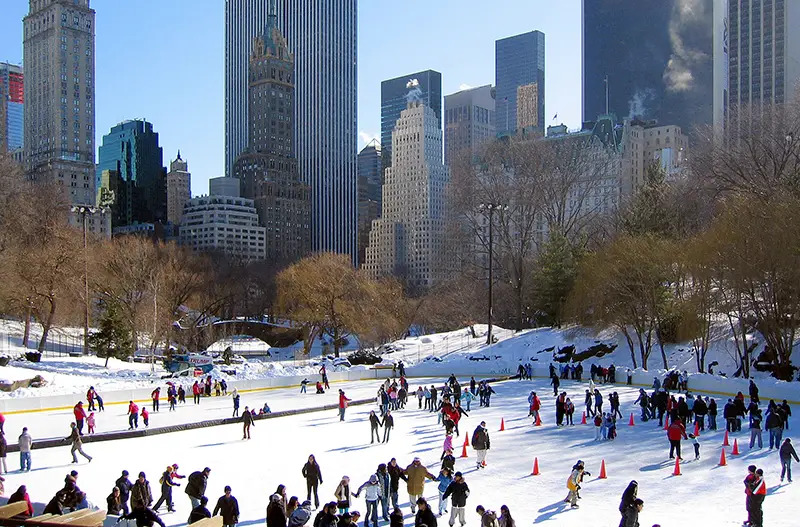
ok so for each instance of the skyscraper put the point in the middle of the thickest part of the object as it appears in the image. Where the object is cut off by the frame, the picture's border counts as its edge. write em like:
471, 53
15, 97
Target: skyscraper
322, 36
131, 151
58, 54
245, 20
12, 97
268, 167
369, 193
394, 99
758, 62
179, 189
407, 240
468, 121
659, 69
519, 61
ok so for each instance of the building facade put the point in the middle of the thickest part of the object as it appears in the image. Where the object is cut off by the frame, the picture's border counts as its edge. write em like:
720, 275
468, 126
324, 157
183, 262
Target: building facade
394, 100
407, 240
225, 224
648, 143
12, 107
519, 61
323, 38
244, 22
58, 50
370, 168
131, 150
179, 189
758, 62
468, 121
658, 70
268, 167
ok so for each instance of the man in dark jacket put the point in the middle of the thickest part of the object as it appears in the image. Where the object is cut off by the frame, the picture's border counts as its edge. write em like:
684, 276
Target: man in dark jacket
144, 517
196, 487
124, 485
200, 512
631, 516
481, 443
774, 424
247, 420
395, 475
425, 515
700, 410
459, 491
228, 507
754, 392
787, 452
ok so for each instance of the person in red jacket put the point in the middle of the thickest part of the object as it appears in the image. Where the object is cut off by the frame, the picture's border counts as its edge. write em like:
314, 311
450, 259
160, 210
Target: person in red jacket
80, 415
343, 400
90, 393
133, 415
145, 416
675, 433
748, 491
759, 487
197, 391
22, 495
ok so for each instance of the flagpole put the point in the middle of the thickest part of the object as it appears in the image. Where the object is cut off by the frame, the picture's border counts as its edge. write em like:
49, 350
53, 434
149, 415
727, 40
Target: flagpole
606, 83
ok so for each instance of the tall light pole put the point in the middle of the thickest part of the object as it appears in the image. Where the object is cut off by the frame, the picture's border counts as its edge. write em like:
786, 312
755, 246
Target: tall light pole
85, 211
490, 208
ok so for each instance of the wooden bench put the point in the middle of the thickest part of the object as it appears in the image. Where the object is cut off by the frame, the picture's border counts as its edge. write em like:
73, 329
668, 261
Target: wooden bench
13, 509
214, 521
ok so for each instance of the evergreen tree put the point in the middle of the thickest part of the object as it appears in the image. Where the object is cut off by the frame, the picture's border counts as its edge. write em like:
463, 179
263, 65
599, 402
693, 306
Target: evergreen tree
553, 278
114, 338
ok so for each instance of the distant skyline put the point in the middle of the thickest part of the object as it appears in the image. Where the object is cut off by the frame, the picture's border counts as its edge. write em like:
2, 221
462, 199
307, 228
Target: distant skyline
164, 61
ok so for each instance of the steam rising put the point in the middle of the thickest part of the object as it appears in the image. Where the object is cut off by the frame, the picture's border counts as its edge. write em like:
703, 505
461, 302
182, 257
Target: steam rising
414, 92
685, 59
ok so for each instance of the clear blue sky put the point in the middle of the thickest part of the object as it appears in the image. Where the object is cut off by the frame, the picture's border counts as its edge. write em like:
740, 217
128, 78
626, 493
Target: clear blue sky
163, 60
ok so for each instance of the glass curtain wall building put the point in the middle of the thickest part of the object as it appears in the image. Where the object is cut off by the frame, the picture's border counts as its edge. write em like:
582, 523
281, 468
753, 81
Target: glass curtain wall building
519, 62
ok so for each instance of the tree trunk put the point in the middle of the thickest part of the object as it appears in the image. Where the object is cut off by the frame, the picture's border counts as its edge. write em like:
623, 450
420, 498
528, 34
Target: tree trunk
46, 324
27, 334
630, 345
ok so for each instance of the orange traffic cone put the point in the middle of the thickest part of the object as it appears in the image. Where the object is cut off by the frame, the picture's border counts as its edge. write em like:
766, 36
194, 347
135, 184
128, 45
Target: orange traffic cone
464, 450
502, 424
535, 467
735, 451
696, 429
466, 439
630, 423
725, 441
583, 419
538, 421
722, 461
602, 470
677, 471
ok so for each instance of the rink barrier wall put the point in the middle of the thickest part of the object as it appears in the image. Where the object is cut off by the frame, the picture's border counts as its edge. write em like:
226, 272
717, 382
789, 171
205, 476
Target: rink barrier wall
144, 432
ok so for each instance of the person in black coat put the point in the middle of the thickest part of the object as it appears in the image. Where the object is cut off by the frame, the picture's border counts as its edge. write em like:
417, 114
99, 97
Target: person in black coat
459, 491
112, 500
228, 507
425, 515
55, 505
628, 497
124, 485
395, 475
313, 476
144, 517
631, 517
276, 516
200, 512
786, 453
712, 414
388, 424
396, 518
700, 410
374, 423
196, 486
754, 392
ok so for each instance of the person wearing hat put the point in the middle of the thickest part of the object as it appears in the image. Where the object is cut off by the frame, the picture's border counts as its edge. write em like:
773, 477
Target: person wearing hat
228, 507
425, 516
573, 483
342, 494
196, 487
481, 443
77, 444
371, 492
200, 512
141, 491
166, 490
416, 474
276, 515
459, 491
124, 485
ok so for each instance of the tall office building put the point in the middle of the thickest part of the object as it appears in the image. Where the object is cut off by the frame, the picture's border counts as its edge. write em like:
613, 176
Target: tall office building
268, 167
179, 189
322, 37
468, 121
244, 22
427, 86
58, 54
519, 61
130, 152
369, 193
12, 99
758, 64
661, 69
407, 240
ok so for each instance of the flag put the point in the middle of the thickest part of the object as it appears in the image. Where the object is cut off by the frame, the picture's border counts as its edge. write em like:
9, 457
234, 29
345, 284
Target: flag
555, 117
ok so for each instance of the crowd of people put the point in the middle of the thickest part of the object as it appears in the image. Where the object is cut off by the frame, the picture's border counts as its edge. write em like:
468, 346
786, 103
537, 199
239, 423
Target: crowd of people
380, 489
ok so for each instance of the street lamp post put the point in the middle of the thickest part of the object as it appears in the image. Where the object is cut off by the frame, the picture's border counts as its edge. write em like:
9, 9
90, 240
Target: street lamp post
85, 211
490, 208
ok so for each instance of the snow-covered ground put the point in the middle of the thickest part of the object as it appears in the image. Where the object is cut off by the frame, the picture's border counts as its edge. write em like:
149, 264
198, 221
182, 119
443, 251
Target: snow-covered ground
705, 494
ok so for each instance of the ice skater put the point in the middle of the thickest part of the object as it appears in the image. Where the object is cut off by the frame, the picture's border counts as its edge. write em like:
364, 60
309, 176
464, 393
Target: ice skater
247, 421
77, 444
